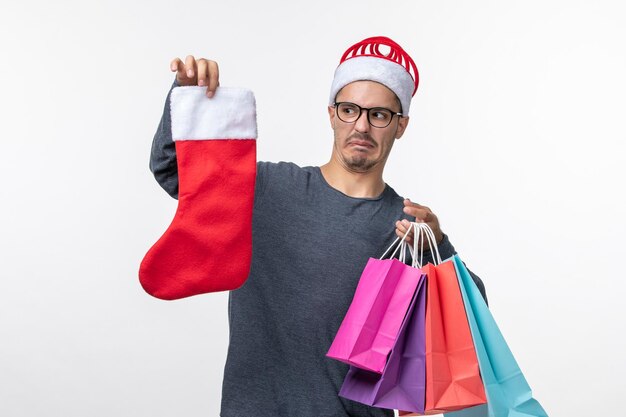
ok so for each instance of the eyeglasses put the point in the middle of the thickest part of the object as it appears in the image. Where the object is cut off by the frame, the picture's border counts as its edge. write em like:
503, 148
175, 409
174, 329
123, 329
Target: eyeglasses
376, 116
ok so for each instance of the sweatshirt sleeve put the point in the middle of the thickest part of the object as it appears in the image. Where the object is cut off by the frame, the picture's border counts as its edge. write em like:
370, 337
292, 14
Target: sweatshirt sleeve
163, 153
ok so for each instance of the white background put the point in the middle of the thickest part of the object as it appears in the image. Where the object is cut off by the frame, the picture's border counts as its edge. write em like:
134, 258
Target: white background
516, 141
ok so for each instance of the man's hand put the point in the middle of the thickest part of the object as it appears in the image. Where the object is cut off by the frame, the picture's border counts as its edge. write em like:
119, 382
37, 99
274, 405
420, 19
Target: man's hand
197, 72
422, 214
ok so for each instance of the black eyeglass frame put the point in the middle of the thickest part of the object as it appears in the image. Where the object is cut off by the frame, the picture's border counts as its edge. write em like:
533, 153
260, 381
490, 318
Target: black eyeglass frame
393, 113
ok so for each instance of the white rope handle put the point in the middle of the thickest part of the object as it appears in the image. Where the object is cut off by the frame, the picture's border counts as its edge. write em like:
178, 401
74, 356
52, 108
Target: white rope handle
417, 234
418, 239
402, 254
423, 233
434, 249
427, 235
435, 245
401, 246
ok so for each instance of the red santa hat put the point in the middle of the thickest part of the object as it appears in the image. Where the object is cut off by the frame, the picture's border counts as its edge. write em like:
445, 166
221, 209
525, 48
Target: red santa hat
365, 61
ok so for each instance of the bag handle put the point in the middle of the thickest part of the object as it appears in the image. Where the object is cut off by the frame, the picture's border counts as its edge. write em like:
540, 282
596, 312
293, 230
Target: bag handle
423, 233
402, 246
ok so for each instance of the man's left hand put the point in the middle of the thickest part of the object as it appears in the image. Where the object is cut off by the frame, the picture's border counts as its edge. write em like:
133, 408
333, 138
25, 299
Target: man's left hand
422, 214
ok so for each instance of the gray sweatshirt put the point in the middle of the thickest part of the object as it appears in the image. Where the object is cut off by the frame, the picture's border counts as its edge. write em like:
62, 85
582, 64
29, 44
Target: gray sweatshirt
310, 245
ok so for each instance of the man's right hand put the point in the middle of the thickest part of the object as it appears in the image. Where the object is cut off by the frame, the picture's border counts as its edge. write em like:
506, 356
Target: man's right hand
199, 72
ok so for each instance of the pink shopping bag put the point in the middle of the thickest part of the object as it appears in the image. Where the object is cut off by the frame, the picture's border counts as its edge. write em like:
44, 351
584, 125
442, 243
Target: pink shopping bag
371, 325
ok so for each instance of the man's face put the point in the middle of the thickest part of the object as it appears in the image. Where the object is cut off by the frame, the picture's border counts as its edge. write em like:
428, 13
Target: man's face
358, 146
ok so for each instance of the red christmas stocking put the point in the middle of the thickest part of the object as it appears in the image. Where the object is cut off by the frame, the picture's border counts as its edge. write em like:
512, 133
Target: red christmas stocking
208, 246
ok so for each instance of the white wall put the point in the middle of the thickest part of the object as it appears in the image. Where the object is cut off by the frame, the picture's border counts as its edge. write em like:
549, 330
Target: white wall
516, 141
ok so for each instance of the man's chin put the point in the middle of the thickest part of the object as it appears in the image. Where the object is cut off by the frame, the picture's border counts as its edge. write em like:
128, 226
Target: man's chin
360, 164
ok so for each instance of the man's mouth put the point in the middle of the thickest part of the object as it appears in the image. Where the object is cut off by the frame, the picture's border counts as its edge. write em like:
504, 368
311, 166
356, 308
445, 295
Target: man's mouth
362, 142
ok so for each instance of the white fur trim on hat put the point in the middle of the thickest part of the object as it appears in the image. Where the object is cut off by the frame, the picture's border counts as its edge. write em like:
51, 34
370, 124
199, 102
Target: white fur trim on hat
229, 114
368, 68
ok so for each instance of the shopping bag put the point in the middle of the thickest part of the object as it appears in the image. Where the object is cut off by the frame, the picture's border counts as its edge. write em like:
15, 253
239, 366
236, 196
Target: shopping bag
451, 362
453, 378
508, 393
402, 383
372, 322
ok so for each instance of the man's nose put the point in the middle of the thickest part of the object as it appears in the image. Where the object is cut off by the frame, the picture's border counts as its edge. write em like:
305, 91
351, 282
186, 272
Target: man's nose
362, 123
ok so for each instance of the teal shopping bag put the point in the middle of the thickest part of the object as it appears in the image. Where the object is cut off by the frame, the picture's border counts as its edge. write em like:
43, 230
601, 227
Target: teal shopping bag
508, 393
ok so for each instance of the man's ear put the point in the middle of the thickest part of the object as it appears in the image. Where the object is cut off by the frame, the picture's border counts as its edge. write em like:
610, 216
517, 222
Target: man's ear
403, 122
331, 116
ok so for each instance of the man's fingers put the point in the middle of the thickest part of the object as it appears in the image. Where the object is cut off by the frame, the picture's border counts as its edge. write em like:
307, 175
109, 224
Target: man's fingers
175, 64
202, 68
402, 226
190, 66
420, 214
409, 203
179, 67
429, 217
401, 233
214, 76
408, 240
197, 72
181, 71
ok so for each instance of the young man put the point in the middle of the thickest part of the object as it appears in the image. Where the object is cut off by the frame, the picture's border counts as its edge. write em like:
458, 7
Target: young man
314, 229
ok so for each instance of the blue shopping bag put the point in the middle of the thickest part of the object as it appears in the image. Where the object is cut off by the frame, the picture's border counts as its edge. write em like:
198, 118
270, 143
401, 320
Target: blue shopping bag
508, 393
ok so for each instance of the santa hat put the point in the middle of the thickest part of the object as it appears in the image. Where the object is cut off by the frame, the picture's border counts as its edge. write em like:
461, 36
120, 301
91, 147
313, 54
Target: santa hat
364, 61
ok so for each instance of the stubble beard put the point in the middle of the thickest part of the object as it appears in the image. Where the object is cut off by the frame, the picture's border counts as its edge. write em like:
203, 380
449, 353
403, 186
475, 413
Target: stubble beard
357, 163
